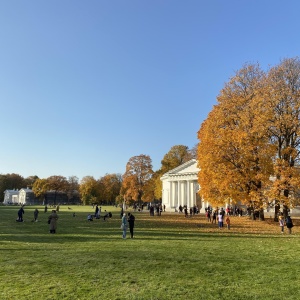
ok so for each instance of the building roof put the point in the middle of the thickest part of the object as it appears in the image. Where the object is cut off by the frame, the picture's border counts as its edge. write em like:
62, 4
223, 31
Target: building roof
188, 168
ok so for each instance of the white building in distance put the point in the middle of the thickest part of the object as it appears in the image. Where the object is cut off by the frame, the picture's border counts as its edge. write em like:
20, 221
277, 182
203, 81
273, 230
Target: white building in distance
11, 197
180, 187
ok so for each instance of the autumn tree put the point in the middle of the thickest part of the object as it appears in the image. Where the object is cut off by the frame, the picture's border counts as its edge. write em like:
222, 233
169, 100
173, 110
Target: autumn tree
233, 153
39, 188
89, 190
249, 144
138, 172
72, 188
282, 105
30, 180
110, 186
57, 183
176, 156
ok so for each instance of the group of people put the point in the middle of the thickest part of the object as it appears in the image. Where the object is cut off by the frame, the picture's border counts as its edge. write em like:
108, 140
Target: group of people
288, 222
52, 219
127, 220
218, 214
191, 211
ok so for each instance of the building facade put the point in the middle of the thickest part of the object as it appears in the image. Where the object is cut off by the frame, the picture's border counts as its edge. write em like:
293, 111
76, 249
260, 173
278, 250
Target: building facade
11, 197
180, 187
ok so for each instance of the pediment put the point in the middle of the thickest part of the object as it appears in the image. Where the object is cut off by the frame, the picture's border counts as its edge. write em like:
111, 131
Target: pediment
190, 167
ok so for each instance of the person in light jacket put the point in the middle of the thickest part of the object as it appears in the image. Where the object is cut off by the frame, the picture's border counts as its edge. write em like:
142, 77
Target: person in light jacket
52, 220
124, 225
281, 223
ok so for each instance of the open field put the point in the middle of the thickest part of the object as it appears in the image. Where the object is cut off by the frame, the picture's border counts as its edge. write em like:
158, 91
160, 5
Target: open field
171, 257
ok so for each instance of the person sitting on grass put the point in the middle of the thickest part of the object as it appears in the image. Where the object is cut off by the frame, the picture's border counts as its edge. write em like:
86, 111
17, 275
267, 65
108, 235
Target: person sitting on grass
107, 215
90, 217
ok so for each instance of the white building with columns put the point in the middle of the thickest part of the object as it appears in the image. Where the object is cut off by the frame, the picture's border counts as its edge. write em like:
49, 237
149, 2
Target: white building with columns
180, 187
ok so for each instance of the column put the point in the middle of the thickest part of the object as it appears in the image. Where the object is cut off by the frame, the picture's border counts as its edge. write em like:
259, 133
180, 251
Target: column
178, 194
188, 192
192, 194
183, 193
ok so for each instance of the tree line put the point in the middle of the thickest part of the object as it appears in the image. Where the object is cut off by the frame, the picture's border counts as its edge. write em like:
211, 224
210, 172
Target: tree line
139, 183
248, 147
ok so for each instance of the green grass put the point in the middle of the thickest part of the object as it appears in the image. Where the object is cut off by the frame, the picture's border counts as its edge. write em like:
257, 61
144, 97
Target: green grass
170, 258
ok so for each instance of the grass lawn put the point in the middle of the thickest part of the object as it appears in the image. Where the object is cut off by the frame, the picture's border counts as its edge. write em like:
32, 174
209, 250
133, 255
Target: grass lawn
171, 257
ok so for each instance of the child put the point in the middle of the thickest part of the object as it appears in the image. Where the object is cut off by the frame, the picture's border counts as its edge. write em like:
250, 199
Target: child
281, 223
228, 222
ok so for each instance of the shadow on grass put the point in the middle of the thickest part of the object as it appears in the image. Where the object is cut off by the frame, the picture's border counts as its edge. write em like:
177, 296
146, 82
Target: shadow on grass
107, 236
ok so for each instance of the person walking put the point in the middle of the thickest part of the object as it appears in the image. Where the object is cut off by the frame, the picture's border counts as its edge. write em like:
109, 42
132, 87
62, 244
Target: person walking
228, 222
281, 223
97, 216
131, 220
289, 224
35, 215
220, 220
20, 214
124, 225
52, 221
214, 217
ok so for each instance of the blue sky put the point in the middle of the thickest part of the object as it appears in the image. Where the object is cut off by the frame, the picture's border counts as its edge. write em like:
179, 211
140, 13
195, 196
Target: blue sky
85, 85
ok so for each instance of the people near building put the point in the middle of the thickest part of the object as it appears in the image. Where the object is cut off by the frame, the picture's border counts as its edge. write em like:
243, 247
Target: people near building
131, 220
227, 222
180, 208
220, 220
185, 211
214, 217
52, 221
124, 225
151, 210
195, 209
35, 215
222, 211
289, 224
208, 215
227, 211
281, 223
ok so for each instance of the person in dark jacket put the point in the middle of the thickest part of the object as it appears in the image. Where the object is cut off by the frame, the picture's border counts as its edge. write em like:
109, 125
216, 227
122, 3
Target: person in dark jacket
289, 224
35, 215
20, 214
131, 220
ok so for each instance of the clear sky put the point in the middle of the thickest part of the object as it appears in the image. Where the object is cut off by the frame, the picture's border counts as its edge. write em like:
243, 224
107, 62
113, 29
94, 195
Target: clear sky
85, 85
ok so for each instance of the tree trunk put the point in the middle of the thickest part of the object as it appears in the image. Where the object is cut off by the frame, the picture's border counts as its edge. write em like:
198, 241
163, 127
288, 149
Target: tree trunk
285, 211
277, 210
261, 214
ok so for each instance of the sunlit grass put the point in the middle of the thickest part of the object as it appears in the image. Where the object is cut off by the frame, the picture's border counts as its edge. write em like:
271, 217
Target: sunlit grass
171, 257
